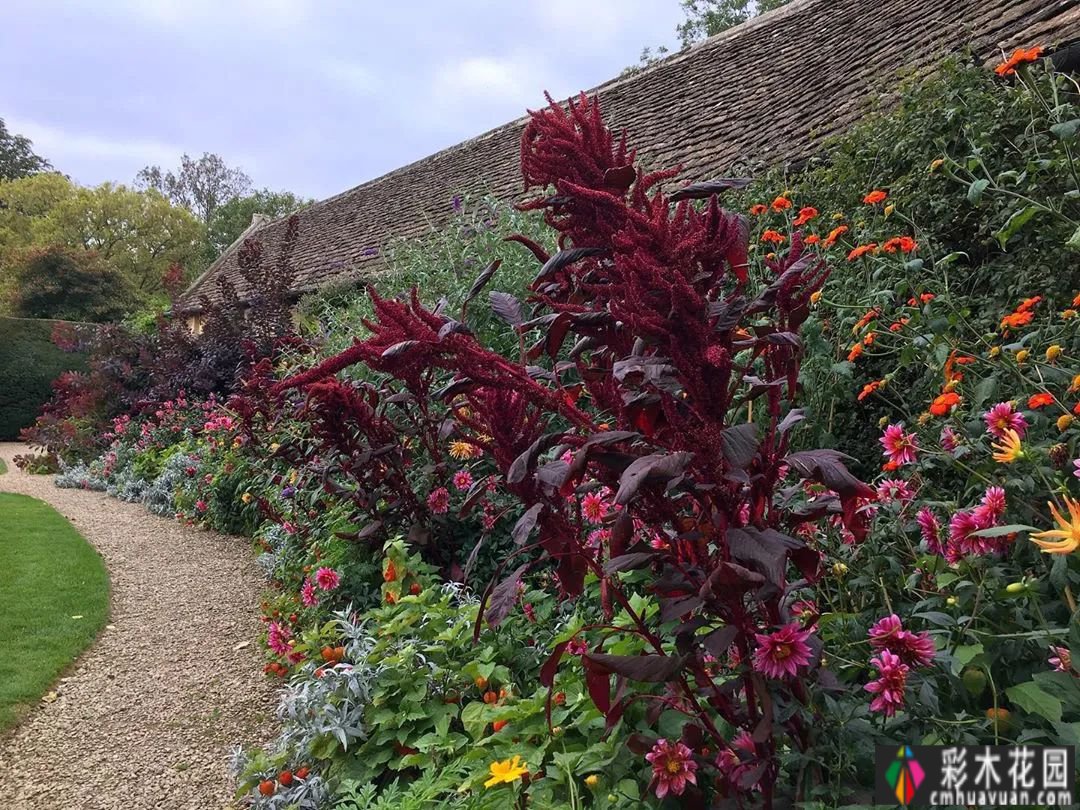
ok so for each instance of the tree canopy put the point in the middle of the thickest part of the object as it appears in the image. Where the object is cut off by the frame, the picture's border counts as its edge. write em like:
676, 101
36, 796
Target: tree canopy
232, 218
200, 185
17, 158
69, 284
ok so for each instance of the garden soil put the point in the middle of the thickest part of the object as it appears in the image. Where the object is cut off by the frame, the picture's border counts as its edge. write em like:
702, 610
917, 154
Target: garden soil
148, 716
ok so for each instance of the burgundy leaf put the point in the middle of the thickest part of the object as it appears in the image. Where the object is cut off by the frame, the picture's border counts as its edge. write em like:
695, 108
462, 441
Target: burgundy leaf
705, 189
478, 285
508, 308
718, 641
452, 327
646, 668
564, 258
526, 523
551, 666
524, 462
503, 597
629, 562
739, 445
599, 685
536, 250
655, 468
399, 348
620, 178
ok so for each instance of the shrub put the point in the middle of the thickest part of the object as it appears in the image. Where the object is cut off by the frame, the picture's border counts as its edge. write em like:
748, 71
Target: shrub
69, 284
29, 362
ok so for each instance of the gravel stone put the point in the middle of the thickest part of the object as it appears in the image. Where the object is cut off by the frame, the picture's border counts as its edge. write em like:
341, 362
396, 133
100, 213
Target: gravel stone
149, 714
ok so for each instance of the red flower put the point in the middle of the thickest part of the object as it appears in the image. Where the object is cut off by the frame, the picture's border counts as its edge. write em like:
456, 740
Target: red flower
773, 236
875, 196
439, 501
869, 389
806, 214
861, 251
758, 209
1040, 400
902, 244
812, 239
944, 403
781, 203
855, 353
835, 234
1019, 57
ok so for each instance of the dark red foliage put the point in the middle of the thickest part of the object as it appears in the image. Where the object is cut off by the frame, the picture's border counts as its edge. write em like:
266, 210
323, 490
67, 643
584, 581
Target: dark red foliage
648, 366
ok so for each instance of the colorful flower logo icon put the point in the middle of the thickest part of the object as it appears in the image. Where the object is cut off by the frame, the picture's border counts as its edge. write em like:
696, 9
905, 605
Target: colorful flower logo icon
905, 775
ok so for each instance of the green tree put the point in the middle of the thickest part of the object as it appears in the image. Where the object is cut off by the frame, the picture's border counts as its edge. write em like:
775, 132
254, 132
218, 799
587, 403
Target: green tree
139, 233
201, 185
17, 158
72, 285
233, 217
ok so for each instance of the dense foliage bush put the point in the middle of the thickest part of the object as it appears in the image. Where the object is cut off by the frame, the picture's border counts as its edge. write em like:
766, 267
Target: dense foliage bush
29, 362
572, 551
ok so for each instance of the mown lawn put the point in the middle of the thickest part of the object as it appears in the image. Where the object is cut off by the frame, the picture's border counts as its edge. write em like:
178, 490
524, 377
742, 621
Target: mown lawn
49, 575
3, 467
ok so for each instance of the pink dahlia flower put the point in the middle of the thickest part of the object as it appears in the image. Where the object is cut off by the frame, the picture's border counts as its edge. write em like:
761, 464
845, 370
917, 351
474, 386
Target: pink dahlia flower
914, 649
893, 489
931, 530
1061, 660
781, 653
327, 579
439, 501
890, 684
950, 439
900, 447
594, 507
308, 597
277, 636
673, 767
1003, 417
463, 480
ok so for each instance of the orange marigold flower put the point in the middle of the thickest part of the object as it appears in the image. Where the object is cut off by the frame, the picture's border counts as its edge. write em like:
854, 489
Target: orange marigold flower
875, 196
900, 324
1076, 408
1019, 57
870, 388
759, 209
867, 316
1040, 400
773, 236
781, 203
855, 353
901, 244
869, 339
861, 250
1076, 300
944, 403
806, 214
812, 239
836, 233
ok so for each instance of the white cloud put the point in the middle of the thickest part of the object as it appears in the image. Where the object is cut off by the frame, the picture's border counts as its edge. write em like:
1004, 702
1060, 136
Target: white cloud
484, 78
351, 76
61, 145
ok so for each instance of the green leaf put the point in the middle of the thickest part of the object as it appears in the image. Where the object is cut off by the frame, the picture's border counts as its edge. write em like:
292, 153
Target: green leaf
1032, 699
976, 189
1017, 221
1074, 240
1066, 129
964, 655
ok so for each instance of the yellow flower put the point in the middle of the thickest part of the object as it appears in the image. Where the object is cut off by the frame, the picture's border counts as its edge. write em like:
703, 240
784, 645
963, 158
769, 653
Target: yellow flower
952, 601
274, 447
883, 421
246, 497
995, 351
463, 450
1068, 314
592, 780
1022, 356
839, 569
936, 164
815, 296
1009, 449
509, 770
950, 386
925, 417
1063, 422
889, 209
1053, 353
293, 476
1066, 539
1075, 386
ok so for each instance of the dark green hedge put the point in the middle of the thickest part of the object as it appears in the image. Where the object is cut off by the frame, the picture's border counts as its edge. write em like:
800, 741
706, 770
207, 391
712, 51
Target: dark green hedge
29, 362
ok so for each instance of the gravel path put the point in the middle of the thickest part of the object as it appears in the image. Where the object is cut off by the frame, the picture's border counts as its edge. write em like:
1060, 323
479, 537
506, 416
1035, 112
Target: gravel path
151, 711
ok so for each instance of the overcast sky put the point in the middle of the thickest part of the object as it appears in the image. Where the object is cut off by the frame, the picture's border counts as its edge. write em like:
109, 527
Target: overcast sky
309, 96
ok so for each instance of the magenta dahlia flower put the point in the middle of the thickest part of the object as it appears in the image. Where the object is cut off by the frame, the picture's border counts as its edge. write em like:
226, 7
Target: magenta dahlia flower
673, 768
277, 636
931, 530
1004, 417
914, 649
950, 439
439, 501
327, 579
890, 684
894, 489
900, 447
462, 480
781, 653
594, 507
1061, 660
308, 597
